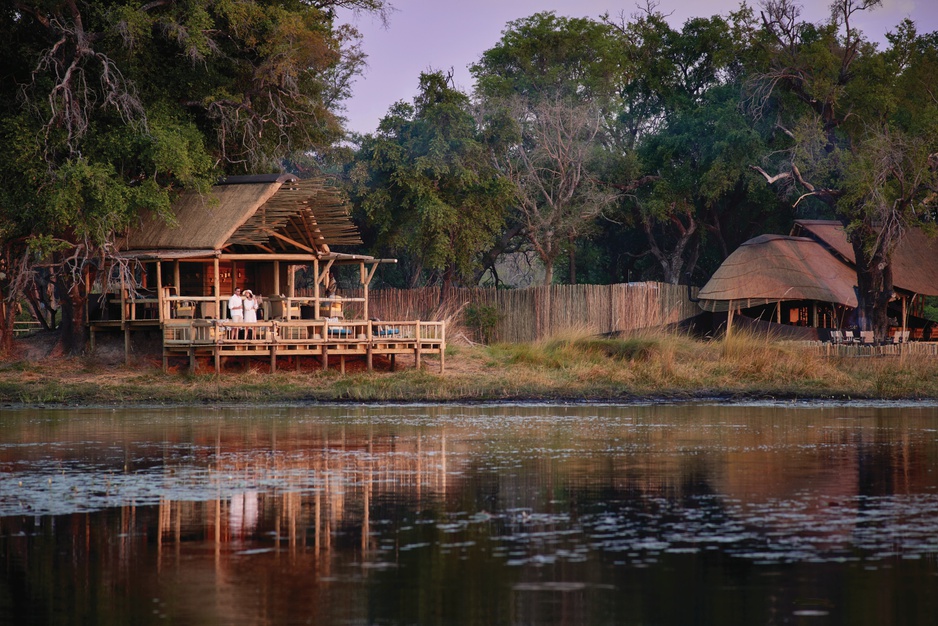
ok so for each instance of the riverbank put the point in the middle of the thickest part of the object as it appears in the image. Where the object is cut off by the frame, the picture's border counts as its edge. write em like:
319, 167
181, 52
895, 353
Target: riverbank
573, 368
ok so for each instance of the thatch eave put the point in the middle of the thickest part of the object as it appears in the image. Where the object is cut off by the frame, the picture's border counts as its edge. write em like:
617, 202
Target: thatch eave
773, 268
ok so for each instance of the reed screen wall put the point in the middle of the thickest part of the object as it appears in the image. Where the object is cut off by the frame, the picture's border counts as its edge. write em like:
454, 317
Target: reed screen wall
538, 312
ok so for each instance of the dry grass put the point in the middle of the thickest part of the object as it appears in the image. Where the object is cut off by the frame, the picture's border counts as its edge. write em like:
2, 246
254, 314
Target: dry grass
573, 365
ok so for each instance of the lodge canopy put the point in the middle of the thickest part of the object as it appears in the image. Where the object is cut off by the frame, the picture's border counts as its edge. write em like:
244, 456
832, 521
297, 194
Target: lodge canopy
914, 262
818, 266
275, 214
772, 268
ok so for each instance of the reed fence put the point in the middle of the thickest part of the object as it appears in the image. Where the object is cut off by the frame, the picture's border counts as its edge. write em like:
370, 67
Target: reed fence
537, 312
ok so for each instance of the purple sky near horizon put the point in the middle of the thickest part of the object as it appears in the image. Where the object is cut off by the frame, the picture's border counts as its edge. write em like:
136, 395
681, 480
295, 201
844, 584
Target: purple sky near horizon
443, 34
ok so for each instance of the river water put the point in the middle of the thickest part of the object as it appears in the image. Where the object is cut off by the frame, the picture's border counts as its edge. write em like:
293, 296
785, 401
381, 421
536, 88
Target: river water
483, 514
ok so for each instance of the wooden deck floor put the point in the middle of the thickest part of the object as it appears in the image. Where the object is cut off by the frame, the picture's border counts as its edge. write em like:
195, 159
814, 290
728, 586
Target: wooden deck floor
221, 340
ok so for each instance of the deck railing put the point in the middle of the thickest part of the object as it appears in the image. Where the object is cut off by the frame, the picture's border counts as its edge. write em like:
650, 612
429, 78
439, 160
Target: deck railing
289, 338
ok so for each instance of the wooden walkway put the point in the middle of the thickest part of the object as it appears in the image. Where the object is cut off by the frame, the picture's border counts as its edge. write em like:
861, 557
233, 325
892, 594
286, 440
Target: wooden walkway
325, 340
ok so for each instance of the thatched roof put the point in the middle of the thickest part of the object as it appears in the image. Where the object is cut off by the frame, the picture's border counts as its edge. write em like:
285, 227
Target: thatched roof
914, 263
770, 268
270, 214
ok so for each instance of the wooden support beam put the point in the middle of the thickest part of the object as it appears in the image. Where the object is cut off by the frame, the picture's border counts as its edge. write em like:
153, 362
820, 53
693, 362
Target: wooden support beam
324, 275
159, 290
294, 242
217, 290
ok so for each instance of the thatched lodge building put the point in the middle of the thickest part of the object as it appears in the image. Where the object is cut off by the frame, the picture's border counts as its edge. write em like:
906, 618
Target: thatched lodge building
256, 233
806, 283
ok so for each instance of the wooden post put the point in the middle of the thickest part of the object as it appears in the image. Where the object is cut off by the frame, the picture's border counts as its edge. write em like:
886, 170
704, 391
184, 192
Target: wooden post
159, 290
217, 290
123, 301
277, 277
729, 320
442, 346
176, 280
417, 348
87, 315
366, 282
905, 312
370, 340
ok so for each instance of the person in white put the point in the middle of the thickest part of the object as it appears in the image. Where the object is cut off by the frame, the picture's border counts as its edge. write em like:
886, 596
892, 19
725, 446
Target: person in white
250, 304
236, 306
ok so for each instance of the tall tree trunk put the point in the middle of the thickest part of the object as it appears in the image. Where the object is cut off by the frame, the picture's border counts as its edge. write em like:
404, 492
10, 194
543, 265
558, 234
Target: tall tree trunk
447, 285
548, 272
504, 244
70, 292
7, 315
874, 292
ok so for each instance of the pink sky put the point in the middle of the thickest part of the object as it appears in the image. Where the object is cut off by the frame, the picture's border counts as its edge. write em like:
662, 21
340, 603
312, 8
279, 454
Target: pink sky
443, 34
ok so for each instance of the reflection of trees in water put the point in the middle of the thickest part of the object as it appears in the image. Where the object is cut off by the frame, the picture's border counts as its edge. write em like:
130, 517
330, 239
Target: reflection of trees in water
301, 507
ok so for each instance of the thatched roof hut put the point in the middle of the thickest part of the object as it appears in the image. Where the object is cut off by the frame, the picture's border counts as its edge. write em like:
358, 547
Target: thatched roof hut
914, 262
773, 268
268, 214
247, 232
813, 272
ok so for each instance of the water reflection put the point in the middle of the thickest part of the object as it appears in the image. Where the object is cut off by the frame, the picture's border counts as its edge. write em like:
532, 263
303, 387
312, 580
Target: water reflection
520, 514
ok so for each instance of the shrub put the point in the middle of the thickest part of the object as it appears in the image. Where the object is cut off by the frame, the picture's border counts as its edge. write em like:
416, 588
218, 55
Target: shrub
482, 318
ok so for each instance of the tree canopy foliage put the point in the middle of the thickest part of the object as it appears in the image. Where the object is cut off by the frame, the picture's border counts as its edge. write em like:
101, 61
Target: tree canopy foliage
425, 184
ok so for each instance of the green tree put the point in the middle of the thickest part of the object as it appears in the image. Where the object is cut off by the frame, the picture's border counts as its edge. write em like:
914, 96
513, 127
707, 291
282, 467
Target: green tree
704, 200
548, 88
108, 108
679, 112
424, 186
856, 131
551, 168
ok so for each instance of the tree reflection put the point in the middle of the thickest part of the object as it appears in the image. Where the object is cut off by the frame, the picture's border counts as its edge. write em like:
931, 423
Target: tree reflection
476, 515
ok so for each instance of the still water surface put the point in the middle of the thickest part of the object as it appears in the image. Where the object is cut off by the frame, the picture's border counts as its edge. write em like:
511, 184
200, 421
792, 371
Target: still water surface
501, 514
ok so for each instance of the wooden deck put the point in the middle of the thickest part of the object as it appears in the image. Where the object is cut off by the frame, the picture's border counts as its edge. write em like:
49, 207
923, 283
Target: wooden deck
324, 340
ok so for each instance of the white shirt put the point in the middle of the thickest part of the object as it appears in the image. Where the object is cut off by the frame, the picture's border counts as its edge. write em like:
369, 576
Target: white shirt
235, 307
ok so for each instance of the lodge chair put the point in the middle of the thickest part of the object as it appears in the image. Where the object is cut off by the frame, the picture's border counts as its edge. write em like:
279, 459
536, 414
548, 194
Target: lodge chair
866, 337
849, 337
185, 310
277, 308
837, 336
209, 311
